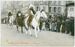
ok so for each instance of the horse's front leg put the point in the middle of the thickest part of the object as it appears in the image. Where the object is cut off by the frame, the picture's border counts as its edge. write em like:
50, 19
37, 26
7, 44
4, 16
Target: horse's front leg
35, 32
17, 28
26, 29
12, 25
21, 29
38, 29
30, 31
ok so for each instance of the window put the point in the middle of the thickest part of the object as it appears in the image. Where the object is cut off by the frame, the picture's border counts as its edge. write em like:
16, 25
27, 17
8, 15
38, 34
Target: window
49, 9
50, 2
55, 2
54, 9
59, 2
59, 9
71, 9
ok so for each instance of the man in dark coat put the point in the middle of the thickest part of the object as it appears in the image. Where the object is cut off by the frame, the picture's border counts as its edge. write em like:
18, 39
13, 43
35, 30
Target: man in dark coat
67, 25
20, 20
58, 25
70, 25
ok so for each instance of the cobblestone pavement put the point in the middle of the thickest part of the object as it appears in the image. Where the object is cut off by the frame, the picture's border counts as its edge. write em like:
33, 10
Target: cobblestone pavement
10, 37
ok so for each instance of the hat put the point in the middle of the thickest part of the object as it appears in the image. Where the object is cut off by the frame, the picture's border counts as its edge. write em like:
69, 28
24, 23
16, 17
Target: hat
31, 5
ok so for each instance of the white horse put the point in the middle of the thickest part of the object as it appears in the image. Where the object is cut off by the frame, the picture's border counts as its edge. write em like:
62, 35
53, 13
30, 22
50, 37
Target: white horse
36, 21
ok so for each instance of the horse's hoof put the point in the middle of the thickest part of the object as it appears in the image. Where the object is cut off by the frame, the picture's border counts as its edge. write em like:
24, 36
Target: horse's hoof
26, 33
21, 32
18, 31
31, 35
36, 36
39, 31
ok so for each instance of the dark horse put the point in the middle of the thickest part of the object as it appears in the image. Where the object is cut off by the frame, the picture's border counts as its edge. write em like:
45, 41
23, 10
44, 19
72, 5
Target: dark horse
20, 21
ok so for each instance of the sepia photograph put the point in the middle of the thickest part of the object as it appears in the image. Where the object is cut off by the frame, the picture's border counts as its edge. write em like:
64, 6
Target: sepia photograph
37, 23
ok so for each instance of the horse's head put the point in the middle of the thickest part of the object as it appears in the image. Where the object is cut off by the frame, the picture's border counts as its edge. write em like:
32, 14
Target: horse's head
43, 15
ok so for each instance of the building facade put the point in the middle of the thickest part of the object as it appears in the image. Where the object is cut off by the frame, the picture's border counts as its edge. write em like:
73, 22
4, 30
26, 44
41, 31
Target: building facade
51, 7
70, 9
56, 7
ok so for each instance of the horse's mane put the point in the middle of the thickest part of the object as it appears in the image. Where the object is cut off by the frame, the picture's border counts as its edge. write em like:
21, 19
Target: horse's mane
33, 11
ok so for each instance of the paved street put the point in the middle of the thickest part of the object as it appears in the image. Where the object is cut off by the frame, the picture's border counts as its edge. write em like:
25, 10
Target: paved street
10, 36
